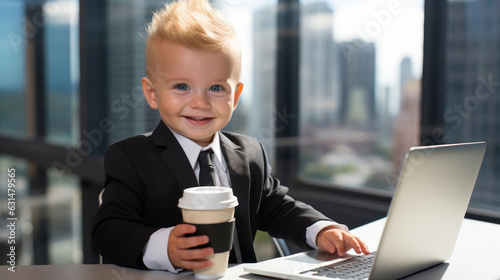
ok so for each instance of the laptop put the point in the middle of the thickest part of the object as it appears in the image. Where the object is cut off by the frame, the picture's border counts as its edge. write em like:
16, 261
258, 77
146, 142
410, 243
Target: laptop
428, 206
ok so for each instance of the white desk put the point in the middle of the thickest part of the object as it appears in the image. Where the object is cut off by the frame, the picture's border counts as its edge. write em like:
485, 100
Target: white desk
476, 256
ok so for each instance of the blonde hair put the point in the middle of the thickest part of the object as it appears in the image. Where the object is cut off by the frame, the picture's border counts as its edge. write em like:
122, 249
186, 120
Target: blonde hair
193, 24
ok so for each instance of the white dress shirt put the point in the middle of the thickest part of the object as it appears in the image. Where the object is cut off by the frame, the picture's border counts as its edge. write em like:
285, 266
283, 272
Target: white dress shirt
155, 252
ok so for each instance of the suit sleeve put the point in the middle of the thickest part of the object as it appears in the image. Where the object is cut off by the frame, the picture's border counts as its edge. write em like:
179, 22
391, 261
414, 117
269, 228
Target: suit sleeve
281, 215
119, 232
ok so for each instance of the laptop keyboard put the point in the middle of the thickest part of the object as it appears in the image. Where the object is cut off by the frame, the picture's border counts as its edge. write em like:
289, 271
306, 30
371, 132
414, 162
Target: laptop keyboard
355, 268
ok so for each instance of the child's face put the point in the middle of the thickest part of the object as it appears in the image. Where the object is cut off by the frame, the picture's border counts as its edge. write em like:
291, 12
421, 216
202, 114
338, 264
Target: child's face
194, 90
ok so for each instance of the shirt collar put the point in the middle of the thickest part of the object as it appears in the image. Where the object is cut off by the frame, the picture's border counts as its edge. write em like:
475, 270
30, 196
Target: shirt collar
192, 150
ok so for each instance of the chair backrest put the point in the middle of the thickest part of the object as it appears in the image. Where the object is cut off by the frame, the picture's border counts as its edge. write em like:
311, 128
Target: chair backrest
100, 196
100, 202
281, 246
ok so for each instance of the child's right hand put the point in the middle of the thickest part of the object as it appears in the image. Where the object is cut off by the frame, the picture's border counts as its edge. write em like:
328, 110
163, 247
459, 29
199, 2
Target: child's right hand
179, 252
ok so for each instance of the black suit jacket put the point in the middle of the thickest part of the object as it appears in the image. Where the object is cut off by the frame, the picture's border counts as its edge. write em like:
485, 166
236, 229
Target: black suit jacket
146, 176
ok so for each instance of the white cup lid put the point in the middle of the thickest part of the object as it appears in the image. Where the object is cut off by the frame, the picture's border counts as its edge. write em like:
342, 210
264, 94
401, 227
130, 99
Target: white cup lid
208, 198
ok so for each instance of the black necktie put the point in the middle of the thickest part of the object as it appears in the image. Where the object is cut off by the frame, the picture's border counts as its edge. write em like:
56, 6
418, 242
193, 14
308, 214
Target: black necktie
207, 178
207, 174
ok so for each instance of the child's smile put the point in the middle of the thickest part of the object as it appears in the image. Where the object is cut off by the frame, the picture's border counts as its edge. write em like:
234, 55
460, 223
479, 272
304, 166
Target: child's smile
199, 120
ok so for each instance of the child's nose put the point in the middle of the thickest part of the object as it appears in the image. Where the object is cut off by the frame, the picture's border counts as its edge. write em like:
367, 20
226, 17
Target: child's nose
199, 100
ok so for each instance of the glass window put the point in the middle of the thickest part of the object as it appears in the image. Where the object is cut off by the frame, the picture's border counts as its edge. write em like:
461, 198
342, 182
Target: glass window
62, 70
255, 25
126, 33
472, 104
360, 71
14, 195
64, 212
13, 36
51, 215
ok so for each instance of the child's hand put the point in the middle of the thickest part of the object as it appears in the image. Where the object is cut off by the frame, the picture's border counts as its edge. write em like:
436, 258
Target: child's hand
178, 248
336, 240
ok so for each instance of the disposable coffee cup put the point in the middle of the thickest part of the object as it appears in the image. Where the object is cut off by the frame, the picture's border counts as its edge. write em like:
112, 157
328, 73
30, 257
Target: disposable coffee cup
211, 210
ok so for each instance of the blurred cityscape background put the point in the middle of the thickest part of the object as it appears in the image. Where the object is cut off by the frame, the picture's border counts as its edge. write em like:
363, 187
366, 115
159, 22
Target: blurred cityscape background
360, 86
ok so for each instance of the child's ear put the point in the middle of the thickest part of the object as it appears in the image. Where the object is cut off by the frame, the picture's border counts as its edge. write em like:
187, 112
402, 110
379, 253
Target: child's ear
237, 94
149, 92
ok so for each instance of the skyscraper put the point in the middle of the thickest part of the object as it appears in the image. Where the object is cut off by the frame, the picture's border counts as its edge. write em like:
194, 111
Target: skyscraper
128, 108
471, 102
319, 62
260, 113
357, 79
406, 124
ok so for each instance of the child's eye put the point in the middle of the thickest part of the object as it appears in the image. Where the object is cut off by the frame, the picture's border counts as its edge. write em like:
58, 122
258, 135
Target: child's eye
216, 88
181, 87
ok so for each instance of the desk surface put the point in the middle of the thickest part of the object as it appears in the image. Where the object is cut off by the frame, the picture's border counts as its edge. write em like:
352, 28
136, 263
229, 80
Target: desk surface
476, 256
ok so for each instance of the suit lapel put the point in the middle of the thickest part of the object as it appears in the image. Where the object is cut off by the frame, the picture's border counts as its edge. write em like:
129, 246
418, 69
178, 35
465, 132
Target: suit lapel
174, 157
237, 163
239, 171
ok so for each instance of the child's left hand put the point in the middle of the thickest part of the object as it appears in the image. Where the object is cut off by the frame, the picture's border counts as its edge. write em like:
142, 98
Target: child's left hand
335, 240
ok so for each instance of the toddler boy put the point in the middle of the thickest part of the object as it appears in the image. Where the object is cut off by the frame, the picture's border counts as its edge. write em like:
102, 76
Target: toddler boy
193, 67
